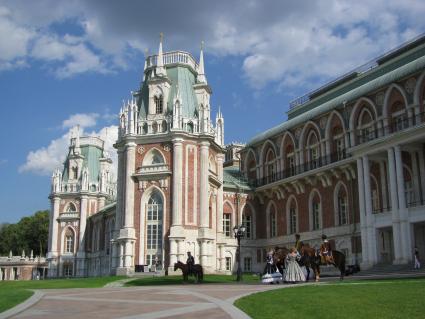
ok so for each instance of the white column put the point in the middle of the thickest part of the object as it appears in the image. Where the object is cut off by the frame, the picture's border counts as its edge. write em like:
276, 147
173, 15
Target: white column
203, 196
398, 254
404, 222
383, 184
121, 257
362, 211
180, 250
83, 220
416, 176
173, 252
204, 253
219, 227
129, 186
54, 226
369, 217
222, 258
422, 171
177, 181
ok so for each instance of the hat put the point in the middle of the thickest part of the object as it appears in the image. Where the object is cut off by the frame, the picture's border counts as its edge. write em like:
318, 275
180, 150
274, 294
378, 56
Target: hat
324, 237
325, 241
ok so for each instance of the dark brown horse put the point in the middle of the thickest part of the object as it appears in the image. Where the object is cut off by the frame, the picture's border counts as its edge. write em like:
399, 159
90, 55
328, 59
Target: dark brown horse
197, 271
313, 260
279, 257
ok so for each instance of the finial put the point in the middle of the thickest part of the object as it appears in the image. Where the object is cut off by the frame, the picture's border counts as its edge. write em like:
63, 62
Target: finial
146, 52
161, 36
202, 45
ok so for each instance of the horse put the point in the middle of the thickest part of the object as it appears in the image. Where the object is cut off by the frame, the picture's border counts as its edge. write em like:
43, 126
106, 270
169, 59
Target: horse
197, 271
312, 259
279, 257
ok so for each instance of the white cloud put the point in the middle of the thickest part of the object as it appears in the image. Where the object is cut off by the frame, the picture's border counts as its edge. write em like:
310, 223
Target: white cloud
80, 119
45, 160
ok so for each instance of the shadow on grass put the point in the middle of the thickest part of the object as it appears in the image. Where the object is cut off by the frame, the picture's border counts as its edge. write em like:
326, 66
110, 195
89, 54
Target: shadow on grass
178, 280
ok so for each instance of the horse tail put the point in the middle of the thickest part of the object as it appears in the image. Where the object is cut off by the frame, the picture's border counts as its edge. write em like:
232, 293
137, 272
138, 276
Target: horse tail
201, 274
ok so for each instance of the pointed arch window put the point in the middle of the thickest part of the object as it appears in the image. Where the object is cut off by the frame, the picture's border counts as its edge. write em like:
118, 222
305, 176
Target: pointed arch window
158, 104
154, 228
342, 208
71, 208
313, 150
69, 241
292, 220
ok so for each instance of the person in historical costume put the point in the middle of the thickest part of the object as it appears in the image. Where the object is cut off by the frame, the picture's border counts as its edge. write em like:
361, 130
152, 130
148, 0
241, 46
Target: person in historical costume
325, 251
270, 266
298, 244
293, 271
190, 262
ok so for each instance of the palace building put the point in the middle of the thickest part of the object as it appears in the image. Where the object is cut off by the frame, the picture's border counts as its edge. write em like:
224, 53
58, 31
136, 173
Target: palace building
348, 163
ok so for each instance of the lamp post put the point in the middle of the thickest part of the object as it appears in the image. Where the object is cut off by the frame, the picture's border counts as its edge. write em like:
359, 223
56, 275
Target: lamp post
239, 232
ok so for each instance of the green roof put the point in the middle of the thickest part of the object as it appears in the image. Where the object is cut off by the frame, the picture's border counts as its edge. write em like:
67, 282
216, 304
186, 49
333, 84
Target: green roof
406, 64
185, 79
233, 178
92, 154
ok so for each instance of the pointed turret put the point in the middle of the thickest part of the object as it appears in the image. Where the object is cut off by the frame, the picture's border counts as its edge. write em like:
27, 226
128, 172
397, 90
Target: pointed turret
145, 66
160, 70
177, 108
219, 128
201, 73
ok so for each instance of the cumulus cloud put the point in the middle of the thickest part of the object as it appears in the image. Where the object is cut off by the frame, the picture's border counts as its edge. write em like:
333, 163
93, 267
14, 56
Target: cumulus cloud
45, 160
80, 119
283, 42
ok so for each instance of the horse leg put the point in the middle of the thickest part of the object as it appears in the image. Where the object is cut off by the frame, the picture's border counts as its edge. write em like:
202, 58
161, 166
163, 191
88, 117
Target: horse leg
317, 272
308, 272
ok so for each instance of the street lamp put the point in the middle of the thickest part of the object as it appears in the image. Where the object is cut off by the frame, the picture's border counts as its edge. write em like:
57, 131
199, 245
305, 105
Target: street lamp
239, 232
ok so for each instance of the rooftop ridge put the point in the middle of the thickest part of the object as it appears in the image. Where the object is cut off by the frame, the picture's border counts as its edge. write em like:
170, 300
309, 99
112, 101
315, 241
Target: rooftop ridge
366, 67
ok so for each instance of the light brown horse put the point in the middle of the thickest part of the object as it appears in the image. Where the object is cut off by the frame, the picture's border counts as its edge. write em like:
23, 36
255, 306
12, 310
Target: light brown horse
313, 260
197, 271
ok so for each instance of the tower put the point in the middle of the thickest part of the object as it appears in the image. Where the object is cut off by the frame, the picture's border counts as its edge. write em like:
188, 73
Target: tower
170, 167
79, 190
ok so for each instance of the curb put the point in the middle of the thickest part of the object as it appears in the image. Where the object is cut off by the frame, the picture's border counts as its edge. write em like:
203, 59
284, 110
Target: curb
22, 306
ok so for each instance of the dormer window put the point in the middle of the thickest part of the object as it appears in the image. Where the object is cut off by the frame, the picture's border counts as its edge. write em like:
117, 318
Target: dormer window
158, 104
74, 172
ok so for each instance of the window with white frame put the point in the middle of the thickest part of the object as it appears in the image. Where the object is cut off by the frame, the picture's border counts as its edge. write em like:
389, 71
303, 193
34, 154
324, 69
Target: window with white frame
69, 243
67, 269
273, 225
340, 147
247, 262
154, 228
227, 227
316, 215
342, 209
270, 165
291, 163
246, 221
158, 104
228, 263
292, 220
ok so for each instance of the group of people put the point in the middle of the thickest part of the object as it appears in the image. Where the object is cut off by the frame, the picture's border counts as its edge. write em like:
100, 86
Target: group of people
293, 272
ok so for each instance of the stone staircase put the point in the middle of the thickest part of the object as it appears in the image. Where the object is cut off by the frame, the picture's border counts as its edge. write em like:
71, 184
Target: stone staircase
388, 269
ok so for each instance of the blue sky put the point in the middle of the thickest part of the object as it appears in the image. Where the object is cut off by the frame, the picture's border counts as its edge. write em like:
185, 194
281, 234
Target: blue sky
64, 63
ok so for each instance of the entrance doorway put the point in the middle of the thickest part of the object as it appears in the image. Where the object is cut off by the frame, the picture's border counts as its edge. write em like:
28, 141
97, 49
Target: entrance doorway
386, 246
419, 239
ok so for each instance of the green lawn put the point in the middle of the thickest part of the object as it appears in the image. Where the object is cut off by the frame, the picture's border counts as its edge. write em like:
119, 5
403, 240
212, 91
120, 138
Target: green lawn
15, 292
177, 280
402, 298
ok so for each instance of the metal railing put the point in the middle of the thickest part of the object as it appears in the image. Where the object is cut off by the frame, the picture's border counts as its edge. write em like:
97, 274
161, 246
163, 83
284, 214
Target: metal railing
302, 168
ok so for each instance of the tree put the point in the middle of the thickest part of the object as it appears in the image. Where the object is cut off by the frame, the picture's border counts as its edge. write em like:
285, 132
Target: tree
30, 233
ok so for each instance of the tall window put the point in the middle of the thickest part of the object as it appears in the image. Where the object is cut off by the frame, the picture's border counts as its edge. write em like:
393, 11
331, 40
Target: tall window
158, 104
342, 209
246, 221
291, 164
316, 215
69, 244
74, 171
226, 225
340, 151
273, 225
247, 264
270, 166
292, 220
67, 269
154, 228
229, 263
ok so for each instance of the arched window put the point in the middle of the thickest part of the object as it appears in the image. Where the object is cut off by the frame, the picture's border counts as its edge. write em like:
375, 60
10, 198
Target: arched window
365, 127
74, 171
290, 160
313, 150
69, 241
292, 216
272, 223
251, 166
342, 207
71, 208
247, 221
227, 217
315, 211
158, 104
153, 157
154, 221
190, 127
270, 165
338, 143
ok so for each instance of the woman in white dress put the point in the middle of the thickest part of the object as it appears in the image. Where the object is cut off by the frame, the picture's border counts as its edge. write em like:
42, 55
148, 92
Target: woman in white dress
293, 272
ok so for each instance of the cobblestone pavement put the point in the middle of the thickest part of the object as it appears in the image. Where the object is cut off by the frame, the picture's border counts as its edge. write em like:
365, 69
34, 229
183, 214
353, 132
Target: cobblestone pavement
184, 301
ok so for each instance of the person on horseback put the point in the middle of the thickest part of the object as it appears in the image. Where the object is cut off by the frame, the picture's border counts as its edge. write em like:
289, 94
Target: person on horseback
190, 262
326, 251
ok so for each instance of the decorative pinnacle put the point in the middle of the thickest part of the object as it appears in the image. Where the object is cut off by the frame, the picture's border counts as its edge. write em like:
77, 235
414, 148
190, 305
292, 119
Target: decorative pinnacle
161, 36
202, 44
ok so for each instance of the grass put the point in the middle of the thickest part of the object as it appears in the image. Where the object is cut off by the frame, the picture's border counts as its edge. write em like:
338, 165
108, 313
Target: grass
15, 292
177, 280
403, 298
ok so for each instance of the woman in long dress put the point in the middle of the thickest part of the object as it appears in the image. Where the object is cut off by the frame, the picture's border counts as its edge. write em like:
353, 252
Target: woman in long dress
293, 271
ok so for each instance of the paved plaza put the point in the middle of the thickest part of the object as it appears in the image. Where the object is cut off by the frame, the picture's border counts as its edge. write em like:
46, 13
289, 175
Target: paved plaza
182, 301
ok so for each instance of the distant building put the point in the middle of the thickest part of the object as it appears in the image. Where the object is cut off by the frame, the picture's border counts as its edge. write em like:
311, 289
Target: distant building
23, 267
348, 163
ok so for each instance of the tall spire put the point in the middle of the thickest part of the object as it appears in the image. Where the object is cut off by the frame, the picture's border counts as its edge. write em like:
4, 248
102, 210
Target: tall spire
146, 64
201, 72
160, 70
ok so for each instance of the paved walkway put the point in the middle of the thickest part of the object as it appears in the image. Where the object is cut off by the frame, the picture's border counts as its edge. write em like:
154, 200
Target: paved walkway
183, 301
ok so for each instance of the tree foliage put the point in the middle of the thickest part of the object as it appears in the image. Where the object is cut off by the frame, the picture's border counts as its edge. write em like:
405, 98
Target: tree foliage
30, 233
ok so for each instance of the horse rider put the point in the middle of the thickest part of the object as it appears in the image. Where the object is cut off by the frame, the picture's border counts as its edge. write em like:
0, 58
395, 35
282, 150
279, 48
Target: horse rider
190, 262
326, 251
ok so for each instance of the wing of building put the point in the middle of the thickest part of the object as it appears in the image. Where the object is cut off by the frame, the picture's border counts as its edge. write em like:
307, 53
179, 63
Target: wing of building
348, 163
